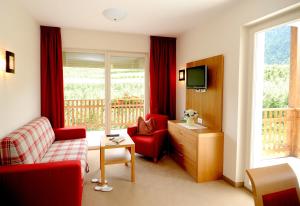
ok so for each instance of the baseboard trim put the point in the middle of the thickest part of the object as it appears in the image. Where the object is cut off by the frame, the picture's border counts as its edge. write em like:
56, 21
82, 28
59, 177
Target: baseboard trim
233, 183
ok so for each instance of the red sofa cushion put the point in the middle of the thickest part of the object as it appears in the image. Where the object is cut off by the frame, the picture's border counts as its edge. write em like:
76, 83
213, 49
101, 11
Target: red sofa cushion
74, 149
282, 198
70, 133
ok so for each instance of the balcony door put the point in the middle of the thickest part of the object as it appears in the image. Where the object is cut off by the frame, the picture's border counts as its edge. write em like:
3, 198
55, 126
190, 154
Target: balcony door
104, 91
274, 95
127, 90
84, 90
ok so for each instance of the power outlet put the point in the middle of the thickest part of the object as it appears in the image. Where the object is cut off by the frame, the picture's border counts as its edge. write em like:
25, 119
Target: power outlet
199, 120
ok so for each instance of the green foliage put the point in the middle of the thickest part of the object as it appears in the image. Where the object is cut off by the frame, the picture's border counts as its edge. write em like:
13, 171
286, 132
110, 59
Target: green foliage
277, 45
89, 83
276, 86
83, 91
276, 71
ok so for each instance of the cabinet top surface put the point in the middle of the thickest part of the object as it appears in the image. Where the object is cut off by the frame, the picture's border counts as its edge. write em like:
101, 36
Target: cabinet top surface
200, 130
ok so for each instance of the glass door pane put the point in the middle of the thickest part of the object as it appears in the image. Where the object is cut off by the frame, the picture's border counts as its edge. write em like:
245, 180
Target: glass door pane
127, 90
84, 90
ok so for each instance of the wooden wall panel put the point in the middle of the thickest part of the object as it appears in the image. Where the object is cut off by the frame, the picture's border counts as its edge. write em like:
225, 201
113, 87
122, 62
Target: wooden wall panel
294, 89
297, 134
209, 104
294, 85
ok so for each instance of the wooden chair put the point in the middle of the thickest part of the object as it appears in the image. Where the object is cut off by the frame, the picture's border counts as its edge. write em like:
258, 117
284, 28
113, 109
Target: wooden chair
275, 185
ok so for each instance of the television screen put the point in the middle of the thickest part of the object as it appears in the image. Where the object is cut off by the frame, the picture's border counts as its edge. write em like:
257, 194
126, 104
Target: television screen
197, 77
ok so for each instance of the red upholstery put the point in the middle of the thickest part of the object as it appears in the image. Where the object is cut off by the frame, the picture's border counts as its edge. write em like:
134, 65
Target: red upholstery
131, 131
161, 120
47, 184
69, 133
57, 182
151, 146
286, 197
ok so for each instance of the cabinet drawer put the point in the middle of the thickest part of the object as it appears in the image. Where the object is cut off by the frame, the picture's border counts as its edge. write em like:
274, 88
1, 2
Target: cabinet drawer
187, 164
185, 144
189, 136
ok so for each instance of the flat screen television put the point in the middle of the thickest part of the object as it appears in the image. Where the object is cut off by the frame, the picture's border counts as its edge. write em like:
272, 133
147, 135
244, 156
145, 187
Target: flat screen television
196, 77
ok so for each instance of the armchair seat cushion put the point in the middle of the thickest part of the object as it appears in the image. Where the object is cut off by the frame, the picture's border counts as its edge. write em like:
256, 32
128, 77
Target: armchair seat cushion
144, 144
285, 197
74, 149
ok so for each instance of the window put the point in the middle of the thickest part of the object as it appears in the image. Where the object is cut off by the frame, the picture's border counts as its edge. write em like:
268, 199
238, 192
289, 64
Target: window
104, 91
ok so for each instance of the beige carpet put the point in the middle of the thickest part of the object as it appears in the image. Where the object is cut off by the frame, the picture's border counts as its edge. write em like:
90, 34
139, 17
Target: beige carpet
164, 183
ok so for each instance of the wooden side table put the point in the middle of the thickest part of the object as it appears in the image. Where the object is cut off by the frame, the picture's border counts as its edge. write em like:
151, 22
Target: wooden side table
111, 153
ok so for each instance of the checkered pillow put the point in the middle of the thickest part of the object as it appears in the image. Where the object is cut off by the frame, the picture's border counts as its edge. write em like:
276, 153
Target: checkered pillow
74, 149
27, 144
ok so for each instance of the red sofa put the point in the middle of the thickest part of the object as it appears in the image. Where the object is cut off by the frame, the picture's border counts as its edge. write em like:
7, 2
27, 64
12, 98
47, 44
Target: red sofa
151, 146
41, 166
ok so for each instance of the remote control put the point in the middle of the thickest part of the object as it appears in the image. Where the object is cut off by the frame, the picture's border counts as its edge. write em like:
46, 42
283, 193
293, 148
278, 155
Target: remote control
113, 135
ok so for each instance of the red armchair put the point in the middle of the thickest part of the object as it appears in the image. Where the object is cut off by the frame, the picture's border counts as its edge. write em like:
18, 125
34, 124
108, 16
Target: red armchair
151, 146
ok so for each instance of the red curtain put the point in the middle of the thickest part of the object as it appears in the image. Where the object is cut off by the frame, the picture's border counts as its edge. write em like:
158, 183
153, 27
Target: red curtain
163, 76
52, 88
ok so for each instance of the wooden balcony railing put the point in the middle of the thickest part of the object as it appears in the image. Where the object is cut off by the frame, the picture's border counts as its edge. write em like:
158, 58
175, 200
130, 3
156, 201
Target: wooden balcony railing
277, 125
91, 113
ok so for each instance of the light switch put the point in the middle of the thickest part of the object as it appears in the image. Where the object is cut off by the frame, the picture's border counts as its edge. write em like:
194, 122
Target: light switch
199, 120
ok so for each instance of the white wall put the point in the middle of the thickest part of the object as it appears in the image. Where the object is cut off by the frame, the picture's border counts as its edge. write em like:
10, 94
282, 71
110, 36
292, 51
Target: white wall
98, 40
221, 35
19, 92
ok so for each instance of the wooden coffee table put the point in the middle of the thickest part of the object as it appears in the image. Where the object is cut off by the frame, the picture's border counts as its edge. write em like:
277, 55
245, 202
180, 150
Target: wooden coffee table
111, 153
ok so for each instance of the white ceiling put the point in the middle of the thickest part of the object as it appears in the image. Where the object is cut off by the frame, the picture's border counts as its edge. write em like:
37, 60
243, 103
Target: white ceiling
151, 17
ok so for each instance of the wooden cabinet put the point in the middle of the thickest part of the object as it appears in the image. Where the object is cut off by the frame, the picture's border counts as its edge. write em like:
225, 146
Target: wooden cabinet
198, 151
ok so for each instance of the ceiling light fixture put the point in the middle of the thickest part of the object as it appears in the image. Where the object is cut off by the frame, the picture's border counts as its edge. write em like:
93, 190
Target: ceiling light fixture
114, 14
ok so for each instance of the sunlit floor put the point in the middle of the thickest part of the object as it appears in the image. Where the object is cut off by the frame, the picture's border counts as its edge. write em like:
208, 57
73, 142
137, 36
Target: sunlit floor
162, 183
93, 138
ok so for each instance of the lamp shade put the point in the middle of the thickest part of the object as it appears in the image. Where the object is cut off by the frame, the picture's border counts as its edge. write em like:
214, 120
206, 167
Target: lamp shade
114, 14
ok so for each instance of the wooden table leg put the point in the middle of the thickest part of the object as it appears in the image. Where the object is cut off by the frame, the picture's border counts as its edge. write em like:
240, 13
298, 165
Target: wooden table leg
132, 163
102, 165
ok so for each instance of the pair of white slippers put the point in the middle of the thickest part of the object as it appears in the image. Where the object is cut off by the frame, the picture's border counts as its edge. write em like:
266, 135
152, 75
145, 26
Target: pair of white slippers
102, 188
